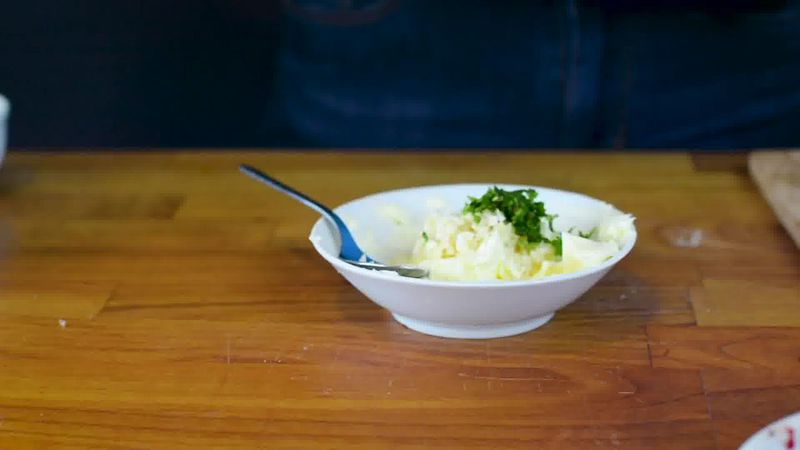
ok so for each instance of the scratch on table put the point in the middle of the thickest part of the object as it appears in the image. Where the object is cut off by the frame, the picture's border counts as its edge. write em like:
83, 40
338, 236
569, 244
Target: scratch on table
592, 418
390, 383
615, 439
563, 435
270, 364
493, 378
222, 383
685, 237
228, 345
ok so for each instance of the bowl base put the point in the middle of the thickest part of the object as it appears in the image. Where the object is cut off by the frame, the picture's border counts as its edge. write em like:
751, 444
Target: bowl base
473, 331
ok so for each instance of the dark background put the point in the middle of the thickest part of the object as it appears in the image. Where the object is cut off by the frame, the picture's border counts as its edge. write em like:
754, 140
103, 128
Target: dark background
700, 74
140, 73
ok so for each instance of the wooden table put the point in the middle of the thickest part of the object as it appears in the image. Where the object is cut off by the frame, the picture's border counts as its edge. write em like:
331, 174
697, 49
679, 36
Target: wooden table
163, 300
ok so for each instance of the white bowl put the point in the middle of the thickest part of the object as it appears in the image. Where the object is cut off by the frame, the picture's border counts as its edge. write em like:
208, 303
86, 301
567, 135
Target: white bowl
5, 108
471, 310
780, 435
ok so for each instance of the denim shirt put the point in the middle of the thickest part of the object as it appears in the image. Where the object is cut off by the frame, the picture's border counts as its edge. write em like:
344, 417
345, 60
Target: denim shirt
414, 73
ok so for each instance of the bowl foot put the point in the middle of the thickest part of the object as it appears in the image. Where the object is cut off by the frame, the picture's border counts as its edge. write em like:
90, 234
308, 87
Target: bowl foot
473, 331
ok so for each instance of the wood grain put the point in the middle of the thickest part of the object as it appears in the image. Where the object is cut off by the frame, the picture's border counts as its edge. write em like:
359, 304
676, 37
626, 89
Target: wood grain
195, 314
731, 302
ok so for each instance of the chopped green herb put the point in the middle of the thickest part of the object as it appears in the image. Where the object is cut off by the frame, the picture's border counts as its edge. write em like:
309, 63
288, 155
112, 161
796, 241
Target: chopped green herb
558, 245
588, 234
425, 236
520, 209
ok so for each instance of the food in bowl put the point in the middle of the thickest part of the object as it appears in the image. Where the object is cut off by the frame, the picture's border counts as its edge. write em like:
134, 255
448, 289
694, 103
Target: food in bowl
461, 309
509, 235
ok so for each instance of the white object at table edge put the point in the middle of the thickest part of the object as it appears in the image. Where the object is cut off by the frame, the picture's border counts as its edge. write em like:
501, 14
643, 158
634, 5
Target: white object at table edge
779, 435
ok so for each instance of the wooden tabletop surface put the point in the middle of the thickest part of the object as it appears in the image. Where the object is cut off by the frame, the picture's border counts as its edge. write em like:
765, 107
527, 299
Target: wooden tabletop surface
163, 300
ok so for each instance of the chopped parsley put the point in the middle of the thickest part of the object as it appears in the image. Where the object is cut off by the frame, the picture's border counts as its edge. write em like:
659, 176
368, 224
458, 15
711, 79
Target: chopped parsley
425, 236
558, 245
521, 210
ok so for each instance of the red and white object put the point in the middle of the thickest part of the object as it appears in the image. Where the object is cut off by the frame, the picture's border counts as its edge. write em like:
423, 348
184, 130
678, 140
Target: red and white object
780, 435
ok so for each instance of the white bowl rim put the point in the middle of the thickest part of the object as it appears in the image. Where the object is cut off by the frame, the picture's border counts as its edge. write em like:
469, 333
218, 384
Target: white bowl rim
5, 107
342, 265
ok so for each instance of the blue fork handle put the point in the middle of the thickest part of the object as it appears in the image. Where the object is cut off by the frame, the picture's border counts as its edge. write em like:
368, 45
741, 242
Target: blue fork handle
350, 249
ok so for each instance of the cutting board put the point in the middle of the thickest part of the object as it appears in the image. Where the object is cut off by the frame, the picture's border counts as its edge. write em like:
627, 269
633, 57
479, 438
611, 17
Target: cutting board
777, 174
